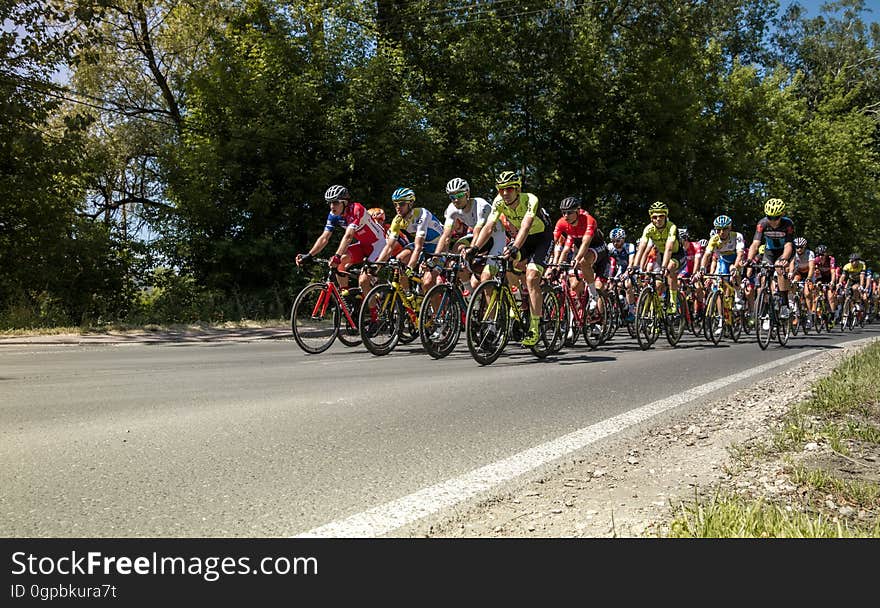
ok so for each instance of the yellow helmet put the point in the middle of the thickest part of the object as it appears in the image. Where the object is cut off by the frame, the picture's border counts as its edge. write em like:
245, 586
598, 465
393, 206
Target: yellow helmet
774, 207
505, 179
658, 207
762, 249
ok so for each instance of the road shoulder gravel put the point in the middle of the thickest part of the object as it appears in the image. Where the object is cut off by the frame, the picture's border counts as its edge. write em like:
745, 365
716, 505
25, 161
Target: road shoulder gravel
632, 489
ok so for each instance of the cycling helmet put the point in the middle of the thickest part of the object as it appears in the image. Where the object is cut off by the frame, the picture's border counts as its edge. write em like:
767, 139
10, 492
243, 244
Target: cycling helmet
854, 256
403, 195
713, 232
456, 184
617, 233
762, 249
703, 243
505, 179
458, 190
821, 249
378, 214
774, 207
800, 242
722, 221
658, 207
683, 234
569, 203
335, 193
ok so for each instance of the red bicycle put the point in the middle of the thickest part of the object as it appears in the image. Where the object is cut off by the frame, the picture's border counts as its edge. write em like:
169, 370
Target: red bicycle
321, 313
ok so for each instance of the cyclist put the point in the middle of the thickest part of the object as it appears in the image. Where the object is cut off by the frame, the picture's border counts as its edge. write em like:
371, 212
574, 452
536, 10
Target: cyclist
471, 212
424, 227
577, 228
854, 277
826, 271
777, 233
801, 268
729, 247
693, 255
358, 224
533, 240
663, 234
621, 256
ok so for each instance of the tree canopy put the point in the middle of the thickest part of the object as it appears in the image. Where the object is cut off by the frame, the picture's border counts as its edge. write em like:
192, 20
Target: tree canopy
166, 159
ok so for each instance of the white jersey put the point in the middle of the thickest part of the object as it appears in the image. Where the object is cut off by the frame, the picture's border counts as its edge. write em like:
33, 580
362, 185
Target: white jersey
802, 262
475, 216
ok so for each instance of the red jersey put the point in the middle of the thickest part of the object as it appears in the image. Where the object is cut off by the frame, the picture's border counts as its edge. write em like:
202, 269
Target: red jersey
585, 226
694, 254
368, 231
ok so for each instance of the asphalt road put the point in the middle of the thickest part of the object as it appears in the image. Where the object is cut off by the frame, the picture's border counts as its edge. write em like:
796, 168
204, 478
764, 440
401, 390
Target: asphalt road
255, 438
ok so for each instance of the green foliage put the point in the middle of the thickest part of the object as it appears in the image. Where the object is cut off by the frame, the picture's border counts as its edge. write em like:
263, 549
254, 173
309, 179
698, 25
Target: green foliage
203, 135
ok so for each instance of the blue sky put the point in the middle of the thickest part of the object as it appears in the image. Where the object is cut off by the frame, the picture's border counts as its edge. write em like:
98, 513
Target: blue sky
813, 8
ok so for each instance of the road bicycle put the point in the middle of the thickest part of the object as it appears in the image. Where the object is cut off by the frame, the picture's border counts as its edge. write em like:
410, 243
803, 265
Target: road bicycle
577, 313
694, 309
853, 312
768, 320
444, 308
722, 315
800, 312
321, 313
619, 314
823, 314
494, 316
389, 314
654, 311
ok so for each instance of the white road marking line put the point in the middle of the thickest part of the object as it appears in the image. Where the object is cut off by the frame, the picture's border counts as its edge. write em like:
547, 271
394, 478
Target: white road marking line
383, 519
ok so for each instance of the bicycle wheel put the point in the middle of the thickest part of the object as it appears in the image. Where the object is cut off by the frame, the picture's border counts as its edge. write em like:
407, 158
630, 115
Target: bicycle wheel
795, 316
549, 327
736, 324
762, 319
846, 315
349, 334
609, 326
565, 321
486, 322
381, 320
675, 322
647, 323
714, 323
594, 326
783, 328
440, 321
314, 318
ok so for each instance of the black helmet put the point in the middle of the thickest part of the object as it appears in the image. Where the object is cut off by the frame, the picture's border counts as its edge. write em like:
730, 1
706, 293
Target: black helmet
821, 249
569, 203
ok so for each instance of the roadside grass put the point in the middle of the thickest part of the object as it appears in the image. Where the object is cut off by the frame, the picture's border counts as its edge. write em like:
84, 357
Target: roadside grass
839, 423
730, 516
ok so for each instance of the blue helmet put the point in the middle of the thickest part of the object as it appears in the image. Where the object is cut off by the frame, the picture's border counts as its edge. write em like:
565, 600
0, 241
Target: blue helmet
617, 233
403, 195
723, 221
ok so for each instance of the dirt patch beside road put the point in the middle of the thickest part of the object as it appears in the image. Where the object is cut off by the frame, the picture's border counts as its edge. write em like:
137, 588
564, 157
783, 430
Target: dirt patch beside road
632, 489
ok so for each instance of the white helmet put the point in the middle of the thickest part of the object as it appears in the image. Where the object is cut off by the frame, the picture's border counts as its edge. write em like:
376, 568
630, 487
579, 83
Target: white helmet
335, 193
456, 184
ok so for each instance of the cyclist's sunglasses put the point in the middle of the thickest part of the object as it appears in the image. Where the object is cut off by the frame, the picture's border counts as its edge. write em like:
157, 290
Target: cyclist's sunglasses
457, 195
773, 218
505, 188
657, 217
